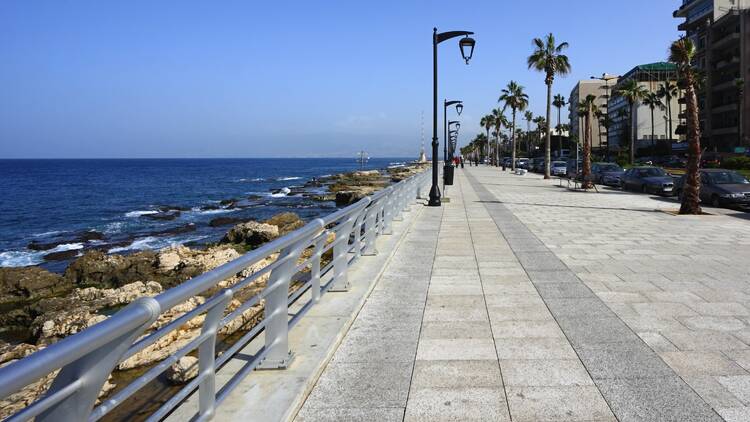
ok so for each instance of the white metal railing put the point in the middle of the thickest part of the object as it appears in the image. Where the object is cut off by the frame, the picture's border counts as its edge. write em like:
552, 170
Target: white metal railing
86, 359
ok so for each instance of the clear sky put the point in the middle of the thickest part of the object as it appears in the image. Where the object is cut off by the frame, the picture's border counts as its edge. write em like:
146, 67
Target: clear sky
284, 78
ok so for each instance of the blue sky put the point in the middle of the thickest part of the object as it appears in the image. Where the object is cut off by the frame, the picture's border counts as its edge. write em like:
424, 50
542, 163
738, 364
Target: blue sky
284, 78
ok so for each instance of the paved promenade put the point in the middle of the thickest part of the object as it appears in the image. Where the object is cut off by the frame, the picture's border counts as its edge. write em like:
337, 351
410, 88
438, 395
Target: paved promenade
521, 300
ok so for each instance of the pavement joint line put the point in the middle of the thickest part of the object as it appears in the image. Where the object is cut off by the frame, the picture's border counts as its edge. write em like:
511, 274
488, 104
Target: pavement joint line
486, 308
491, 199
424, 309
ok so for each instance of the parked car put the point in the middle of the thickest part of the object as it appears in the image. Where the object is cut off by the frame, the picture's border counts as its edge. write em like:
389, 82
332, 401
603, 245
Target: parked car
648, 179
573, 169
539, 165
720, 188
559, 168
506, 161
522, 163
607, 173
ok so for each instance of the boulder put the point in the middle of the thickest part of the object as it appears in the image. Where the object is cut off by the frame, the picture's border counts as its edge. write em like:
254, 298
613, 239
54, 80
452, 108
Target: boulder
30, 283
163, 215
96, 268
286, 222
182, 371
252, 234
349, 197
62, 255
226, 221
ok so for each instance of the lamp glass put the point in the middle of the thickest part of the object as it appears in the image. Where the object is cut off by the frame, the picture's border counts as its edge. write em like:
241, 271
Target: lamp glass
467, 48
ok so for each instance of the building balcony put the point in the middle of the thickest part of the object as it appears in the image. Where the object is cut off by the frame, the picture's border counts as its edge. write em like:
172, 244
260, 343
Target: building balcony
723, 108
726, 40
727, 61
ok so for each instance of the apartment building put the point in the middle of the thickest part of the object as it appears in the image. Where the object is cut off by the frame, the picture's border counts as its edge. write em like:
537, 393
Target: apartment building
602, 89
660, 139
719, 29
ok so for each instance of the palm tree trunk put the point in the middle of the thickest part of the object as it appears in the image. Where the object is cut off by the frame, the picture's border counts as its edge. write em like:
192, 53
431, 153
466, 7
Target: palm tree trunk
559, 133
632, 135
548, 140
513, 141
586, 171
669, 110
691, 190
653, 134
487, 150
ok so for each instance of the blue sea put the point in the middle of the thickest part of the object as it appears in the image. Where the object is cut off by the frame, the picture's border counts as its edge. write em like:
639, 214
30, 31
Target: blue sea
120, 206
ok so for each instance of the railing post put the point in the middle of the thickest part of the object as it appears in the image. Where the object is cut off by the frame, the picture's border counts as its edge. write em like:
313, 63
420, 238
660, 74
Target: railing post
207, 357
315, 268
371, 228
343, 230
388, 212
397, 203
358, 233
276, 312
93, 370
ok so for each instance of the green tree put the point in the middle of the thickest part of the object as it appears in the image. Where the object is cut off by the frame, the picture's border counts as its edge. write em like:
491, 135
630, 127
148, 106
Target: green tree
632, 92
548, 57
652, 100
668, 91
541, 126
681, 52
529, 116
513, 97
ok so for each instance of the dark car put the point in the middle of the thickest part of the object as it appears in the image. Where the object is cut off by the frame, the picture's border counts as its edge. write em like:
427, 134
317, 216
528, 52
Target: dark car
607, 173
721, 188
574, 168
648, 179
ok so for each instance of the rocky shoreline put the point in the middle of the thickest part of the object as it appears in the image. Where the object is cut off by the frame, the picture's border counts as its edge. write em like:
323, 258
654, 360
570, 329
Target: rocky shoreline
39, 307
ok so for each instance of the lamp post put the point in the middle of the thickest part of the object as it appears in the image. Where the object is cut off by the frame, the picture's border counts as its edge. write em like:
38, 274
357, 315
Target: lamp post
606, 80
448, 153
459, 108
466, 45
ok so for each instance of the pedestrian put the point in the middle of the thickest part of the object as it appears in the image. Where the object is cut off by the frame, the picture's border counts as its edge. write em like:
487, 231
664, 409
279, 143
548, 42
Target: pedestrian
461, 159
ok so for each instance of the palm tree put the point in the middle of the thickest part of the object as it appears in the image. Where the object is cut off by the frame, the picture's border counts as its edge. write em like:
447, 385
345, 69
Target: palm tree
668, 90
586, 108
632, 91
513, 97
541, 125
681, 52
652, 100
486, 123
499, 120
529, 116
548, 58
559, 102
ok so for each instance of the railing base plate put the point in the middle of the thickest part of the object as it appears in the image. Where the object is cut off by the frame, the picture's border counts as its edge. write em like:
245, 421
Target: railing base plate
270, 364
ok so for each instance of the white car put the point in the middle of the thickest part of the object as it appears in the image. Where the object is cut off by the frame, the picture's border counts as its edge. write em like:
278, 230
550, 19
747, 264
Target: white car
559, 168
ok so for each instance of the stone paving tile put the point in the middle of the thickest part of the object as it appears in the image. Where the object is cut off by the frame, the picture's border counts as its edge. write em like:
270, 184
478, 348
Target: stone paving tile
735, 414
544, 373
739, 385
456, 349
655, 399
310, 414
701, 363
457, 404
456, 374
574, 403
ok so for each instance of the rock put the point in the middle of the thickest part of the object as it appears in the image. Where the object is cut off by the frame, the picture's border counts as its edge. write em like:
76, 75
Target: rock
30, 283
182, 371
163, 215
286, 222
187, 228
227, 202
62, 255
167, 208
178, 258
225, 221
345, 198
81, 237
96, 268
252, 234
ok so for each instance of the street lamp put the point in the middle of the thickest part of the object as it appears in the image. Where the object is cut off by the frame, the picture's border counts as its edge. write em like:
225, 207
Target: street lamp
467, 51
606, 80
459, 108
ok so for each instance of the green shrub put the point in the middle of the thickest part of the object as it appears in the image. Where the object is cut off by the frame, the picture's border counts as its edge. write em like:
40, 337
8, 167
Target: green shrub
737, 163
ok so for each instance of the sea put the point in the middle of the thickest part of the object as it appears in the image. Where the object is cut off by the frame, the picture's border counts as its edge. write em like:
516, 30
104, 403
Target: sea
53, 210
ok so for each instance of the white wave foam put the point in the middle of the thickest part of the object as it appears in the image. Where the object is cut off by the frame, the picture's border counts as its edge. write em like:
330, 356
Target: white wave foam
19, 258
133, 214
66, 247
114, 227
154, 243
197, 210
284, 179
282, 193
50, 233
